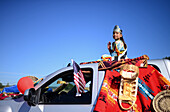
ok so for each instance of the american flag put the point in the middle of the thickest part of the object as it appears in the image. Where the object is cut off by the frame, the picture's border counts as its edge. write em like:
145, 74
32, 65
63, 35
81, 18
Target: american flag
78, 79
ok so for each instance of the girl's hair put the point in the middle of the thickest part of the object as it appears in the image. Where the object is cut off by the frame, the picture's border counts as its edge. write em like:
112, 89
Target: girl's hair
123, 42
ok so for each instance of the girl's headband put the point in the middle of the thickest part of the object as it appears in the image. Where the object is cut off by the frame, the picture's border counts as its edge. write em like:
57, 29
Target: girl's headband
117, 29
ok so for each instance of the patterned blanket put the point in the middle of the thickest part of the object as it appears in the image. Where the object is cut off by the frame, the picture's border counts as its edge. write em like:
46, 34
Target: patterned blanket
104, 65
151, 82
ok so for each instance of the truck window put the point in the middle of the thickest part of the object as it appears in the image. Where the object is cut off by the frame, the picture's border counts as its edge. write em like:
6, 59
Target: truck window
62, 90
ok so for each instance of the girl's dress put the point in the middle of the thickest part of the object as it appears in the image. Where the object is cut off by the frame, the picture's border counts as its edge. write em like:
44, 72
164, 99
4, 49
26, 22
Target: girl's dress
119, 52
118, 48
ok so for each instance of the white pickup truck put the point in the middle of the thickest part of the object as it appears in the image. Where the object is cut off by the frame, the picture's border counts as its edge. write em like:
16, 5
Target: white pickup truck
61, 95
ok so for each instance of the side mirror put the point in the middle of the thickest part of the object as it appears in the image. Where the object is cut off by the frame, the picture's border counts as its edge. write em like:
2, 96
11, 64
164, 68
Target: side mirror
28, 93
32, 96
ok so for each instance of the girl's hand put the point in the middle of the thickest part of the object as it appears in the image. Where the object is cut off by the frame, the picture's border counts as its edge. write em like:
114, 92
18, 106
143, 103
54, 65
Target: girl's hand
109, 45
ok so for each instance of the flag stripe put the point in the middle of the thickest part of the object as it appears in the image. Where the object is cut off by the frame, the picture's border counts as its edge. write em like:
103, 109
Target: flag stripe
79, 86
79, 83
80, 78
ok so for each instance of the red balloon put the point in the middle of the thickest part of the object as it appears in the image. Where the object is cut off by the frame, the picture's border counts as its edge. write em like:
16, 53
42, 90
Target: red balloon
25, 83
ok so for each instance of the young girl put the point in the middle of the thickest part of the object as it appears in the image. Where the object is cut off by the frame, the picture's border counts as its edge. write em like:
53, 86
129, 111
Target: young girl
119, 47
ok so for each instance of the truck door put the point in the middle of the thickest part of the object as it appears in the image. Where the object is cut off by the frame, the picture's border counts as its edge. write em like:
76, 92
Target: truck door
59, 93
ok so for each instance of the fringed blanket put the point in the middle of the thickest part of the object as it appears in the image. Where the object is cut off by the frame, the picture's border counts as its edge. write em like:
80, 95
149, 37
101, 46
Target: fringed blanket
151, 82
104, 65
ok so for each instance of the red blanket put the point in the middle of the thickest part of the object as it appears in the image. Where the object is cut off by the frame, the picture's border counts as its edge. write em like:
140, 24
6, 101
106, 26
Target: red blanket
151, 82
105, 65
